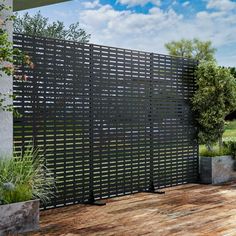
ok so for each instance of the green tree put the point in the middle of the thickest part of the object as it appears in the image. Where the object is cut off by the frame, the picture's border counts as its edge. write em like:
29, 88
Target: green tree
214, 99
194, 49
39, 25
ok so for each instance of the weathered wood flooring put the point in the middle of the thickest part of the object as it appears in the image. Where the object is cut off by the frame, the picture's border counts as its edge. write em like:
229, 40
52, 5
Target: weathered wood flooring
183, 210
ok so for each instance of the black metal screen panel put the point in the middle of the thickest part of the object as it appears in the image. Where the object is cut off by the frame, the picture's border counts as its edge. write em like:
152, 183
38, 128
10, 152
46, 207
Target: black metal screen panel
110, 121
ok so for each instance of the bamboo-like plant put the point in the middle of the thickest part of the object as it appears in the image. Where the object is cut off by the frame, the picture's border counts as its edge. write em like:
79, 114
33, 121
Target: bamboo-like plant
25, 177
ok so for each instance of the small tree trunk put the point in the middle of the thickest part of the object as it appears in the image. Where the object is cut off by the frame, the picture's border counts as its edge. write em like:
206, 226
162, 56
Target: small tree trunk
209, 147
220, 142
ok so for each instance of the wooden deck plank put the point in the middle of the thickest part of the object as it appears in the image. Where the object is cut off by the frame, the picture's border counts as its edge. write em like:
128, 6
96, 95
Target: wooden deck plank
191, 210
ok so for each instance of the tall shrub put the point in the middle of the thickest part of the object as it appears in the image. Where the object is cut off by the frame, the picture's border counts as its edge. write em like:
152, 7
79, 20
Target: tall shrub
214, 99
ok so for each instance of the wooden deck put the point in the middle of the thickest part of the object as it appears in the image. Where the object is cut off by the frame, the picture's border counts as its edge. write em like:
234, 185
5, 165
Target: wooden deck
183, 210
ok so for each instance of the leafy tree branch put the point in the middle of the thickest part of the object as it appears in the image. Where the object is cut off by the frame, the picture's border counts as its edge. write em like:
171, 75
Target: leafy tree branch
39, 25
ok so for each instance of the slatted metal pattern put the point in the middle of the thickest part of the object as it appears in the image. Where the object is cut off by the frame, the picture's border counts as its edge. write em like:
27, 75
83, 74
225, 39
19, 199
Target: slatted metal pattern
111, 121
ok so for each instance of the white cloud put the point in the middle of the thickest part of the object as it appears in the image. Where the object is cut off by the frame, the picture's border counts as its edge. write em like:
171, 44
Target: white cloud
223, 5
185, 4
91, 5
131, 3
129, 29
204, 15
174, 2
151, 31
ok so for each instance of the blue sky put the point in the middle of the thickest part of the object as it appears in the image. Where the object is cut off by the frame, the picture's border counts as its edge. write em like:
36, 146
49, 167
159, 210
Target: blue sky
149, 24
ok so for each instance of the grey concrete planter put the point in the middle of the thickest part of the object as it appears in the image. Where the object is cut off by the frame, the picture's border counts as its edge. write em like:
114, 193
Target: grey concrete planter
19, 217
216, 170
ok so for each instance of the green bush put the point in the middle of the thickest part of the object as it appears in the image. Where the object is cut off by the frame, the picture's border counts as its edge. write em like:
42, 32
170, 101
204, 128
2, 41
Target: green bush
230, 144
24, 177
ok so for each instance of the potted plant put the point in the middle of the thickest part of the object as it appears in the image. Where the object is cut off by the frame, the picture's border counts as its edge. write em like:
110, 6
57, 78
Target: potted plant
217, 166
24, 181
214, 99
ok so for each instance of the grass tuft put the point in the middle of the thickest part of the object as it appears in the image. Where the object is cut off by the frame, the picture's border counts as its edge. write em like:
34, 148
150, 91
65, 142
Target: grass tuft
24, 177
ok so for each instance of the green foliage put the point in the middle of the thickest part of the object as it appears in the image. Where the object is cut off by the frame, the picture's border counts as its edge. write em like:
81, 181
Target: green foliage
24, 177
215, 151
194, 49
233, 71
229, 134
38, 25
6, 50
214, 99
230, 144
8, 56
